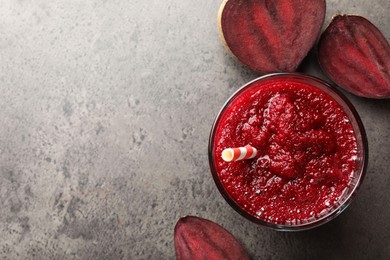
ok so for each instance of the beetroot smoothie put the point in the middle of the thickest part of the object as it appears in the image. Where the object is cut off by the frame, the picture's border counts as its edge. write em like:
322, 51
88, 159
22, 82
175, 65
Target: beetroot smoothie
307, 151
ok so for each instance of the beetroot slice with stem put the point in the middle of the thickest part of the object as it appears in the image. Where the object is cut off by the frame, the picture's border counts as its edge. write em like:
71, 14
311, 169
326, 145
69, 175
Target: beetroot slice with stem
270, 35
198, 238
356, 56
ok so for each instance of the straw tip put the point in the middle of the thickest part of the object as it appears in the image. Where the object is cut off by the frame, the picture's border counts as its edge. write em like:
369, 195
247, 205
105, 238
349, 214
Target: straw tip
227, 155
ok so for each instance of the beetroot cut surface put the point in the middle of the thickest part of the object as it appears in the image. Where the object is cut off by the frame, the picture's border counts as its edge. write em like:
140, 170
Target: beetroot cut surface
270, 35
356, 56
198, 238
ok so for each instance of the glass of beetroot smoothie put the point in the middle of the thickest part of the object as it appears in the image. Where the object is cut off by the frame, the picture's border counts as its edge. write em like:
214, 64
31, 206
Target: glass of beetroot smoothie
311, 151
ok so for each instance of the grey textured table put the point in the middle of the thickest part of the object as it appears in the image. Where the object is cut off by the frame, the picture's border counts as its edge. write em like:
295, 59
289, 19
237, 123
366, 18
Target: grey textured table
105, 110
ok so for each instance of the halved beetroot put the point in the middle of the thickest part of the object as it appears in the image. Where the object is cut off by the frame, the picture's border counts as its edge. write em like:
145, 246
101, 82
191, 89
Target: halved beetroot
270, 35
198, 238
356, 56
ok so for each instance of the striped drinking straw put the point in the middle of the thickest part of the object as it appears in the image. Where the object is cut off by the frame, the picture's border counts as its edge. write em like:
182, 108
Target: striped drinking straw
240, 153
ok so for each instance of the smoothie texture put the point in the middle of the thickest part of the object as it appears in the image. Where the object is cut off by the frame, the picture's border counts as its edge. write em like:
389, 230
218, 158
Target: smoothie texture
306, 157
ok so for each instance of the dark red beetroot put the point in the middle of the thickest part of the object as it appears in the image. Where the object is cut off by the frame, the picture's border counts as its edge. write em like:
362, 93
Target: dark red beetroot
356, 56
198, 238
270, 35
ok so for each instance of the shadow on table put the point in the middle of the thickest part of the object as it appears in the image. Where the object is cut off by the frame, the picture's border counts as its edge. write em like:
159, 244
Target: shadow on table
334, 240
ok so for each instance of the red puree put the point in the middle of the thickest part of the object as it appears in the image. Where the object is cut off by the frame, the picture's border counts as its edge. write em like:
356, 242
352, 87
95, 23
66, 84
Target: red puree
306, 151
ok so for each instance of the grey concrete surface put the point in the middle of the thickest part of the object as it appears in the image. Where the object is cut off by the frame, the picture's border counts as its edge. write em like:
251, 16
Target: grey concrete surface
105, 111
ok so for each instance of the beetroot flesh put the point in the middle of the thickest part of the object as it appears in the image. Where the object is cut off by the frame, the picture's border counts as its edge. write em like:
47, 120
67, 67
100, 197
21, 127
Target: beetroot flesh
356, 56
271, 35
198, 238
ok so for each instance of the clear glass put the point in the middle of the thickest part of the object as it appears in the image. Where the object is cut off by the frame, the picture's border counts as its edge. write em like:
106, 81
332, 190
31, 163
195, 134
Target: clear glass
361, 162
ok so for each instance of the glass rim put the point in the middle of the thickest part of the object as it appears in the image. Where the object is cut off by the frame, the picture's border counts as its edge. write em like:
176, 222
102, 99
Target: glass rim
358, 132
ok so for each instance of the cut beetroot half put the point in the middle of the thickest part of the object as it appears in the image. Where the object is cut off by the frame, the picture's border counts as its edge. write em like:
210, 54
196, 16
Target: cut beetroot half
198, 238
270, 35
356, 56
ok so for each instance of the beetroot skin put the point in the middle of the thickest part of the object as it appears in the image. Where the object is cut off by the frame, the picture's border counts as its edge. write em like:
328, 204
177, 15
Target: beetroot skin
198, 238
356, 56
270, 35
